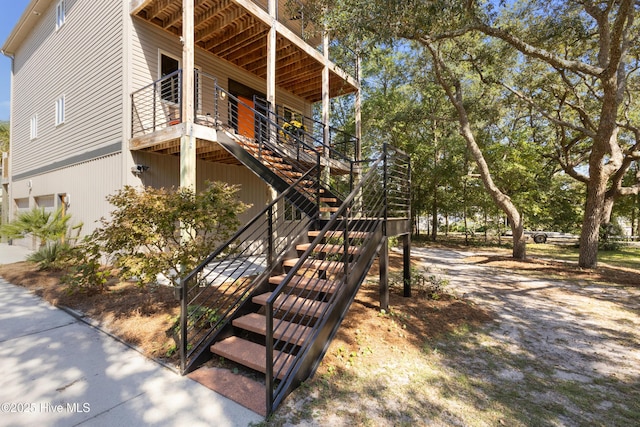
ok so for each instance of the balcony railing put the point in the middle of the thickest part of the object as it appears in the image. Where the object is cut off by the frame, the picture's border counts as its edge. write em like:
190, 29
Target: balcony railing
159, 105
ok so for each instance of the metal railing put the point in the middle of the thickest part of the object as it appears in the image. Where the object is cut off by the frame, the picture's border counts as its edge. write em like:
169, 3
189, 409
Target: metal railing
157, 105
344, 250
212, 292
341, 145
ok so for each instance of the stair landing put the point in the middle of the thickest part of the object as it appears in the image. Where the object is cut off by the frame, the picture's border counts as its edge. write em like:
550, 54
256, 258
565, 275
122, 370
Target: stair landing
242, 390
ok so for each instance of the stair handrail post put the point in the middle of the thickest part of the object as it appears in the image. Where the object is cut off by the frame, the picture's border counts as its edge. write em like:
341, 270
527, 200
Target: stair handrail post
345, 240
216, 108
270, 236
385, 177
155, 101
269, 357
184, 313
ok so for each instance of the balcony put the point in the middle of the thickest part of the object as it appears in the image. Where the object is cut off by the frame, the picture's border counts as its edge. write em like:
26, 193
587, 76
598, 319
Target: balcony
237, 30
156, 123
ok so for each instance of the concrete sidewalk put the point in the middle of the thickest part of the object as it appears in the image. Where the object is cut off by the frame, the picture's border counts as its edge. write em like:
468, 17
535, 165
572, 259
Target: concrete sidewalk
10, 253
59, 371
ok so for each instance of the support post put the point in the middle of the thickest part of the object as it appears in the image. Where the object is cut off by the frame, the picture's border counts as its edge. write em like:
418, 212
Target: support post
326, 109
384, 274
271, 56
406, 261
358, 112
187, 140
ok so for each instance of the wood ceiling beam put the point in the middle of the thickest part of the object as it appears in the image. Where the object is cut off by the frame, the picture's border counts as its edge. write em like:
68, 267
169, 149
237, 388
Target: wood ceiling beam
217, 21
158, 7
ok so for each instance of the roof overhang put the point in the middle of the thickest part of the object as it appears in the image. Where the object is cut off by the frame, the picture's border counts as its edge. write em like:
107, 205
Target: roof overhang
27, 21
237, 31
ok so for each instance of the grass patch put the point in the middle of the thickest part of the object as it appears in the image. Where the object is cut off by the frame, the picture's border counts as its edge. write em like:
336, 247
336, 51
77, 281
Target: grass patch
626, 257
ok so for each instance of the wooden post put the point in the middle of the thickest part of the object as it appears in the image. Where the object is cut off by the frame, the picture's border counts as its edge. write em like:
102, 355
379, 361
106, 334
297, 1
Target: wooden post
188, 141
384, 274
326, 108
271, 55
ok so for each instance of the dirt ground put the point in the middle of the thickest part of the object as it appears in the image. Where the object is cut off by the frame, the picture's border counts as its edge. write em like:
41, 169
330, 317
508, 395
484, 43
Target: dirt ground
503, 343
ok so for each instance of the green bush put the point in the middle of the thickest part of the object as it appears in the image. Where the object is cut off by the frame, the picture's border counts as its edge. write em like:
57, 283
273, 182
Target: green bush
609, 235
156, 232
41, 225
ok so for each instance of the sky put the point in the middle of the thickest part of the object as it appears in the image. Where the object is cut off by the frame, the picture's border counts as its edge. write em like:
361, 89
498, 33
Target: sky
11, 12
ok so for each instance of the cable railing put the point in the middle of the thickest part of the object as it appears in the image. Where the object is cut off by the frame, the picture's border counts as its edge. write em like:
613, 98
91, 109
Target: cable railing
157, 105
332, 268
341, 145
212, 292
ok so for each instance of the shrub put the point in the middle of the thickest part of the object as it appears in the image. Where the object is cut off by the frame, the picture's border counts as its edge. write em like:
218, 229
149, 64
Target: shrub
51, 256
157, 232
41, 225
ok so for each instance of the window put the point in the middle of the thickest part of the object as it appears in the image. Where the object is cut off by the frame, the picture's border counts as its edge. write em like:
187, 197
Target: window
61, 14
34, 127
291, 212
60, 111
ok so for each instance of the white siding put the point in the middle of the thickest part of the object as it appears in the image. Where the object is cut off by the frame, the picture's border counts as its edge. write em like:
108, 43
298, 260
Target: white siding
83, 61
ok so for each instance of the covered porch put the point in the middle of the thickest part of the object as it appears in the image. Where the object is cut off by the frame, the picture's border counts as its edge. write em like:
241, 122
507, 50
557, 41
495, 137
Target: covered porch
269, 39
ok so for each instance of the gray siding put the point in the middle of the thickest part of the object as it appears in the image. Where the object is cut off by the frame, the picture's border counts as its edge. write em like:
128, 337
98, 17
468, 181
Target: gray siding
85, 184
83, 61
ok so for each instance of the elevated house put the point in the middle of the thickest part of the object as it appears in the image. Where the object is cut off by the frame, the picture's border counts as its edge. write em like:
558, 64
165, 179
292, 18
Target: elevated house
175, 93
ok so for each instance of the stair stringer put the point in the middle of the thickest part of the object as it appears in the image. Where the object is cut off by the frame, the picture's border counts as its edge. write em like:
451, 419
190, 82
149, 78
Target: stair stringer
309, 359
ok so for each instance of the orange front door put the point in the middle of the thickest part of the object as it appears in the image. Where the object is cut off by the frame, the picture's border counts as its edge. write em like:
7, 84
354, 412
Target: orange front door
246, 118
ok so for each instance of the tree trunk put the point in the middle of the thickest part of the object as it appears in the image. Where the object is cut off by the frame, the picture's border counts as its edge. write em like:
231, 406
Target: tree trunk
453, 89
434, 218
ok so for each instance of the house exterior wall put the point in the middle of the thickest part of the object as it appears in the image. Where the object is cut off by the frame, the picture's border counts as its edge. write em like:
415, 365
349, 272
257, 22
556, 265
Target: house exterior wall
96, 59
164, 171
83, 61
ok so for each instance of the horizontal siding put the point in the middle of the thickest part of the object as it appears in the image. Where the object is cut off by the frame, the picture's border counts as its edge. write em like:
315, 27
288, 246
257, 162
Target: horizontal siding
83, 60
88, 184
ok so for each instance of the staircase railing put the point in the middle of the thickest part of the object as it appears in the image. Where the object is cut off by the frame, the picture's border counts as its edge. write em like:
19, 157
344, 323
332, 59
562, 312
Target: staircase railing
297, 150
214, 290
341, 145
358, 225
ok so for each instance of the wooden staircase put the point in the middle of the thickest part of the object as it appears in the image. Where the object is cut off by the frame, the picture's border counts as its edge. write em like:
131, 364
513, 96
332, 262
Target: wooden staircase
288, 171
306, 302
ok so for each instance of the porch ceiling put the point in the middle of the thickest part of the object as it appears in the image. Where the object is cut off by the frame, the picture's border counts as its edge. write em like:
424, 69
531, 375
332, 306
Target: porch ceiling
236, 34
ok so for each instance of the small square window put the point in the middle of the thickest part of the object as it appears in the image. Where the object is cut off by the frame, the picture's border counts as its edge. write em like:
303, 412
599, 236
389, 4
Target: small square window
34, 127
60, 111
61, 14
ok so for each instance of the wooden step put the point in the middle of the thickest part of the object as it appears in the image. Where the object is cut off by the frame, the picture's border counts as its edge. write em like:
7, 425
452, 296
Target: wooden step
312, 284
329, 208
294, 304
252, 355
328, 249
285, 331
338, 233
328, 200
291, 174
317, 264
